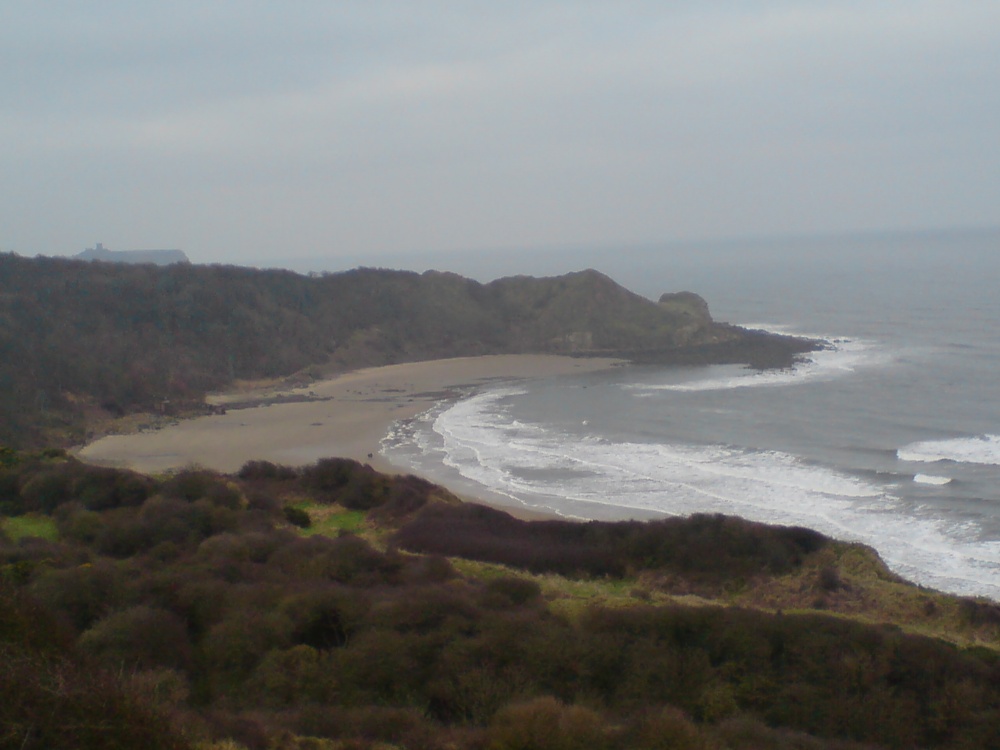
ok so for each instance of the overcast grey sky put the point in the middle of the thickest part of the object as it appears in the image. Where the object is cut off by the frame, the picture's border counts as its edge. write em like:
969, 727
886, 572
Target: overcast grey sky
240, 131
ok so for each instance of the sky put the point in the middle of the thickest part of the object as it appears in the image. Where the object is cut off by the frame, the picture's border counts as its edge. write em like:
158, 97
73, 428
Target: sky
248, 132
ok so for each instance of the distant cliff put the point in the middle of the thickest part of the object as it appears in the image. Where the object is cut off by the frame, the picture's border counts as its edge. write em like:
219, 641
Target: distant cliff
156, 257
80, 340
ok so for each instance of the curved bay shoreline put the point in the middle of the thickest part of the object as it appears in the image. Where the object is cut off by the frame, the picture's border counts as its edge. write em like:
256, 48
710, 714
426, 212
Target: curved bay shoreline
349, 414
345, 416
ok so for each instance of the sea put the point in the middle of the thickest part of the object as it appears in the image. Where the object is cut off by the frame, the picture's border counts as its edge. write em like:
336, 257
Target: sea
890, 436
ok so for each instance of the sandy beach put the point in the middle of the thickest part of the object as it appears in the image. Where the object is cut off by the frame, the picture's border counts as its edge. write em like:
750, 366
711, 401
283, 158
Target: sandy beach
346, 416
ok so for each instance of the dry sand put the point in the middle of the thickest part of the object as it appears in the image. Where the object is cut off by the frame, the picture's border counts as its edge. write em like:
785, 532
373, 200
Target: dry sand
347, 416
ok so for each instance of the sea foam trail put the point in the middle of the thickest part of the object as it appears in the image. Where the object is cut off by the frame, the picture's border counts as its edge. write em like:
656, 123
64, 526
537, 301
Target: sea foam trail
931, 479
842, 356
984, 450
547, 468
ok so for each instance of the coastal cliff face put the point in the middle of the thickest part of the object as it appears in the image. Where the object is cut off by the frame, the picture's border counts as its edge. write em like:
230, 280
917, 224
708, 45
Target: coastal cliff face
79, 340
695, 321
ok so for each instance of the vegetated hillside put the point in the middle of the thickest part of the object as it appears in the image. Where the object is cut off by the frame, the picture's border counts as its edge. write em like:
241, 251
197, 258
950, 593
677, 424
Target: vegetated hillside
274, 606
82, 339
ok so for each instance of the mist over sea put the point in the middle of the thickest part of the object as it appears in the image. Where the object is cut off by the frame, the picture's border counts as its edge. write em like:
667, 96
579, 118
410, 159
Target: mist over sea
891, 437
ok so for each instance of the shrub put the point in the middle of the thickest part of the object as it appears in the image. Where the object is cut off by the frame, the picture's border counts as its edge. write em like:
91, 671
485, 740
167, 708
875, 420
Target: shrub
406, 495
102, 489
668, 729
28, 625
141, 638
169, 519
46, 490
11, 503
78, 524
706, 550
328, 475
327, 616
265, 470
194, 484
364, 725
347, 482
428, 569
828, 579
427, 609
297, 517
978, 612
547, 724
56, 704
463, 692
123, 534
82, 594
201, 601
346, 559
289, 676
515, 590
235, 645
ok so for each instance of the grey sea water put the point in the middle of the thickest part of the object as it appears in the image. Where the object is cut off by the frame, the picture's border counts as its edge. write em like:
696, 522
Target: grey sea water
891, 437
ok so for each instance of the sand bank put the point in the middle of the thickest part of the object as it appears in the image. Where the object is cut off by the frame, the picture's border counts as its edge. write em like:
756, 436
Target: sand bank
346, 416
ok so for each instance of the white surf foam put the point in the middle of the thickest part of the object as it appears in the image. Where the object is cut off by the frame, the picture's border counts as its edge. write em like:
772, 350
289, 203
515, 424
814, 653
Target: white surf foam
931, 479
479, 439
842, 356
984, 449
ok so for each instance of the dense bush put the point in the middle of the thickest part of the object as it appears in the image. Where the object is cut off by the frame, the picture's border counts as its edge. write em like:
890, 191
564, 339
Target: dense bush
194, 484
51, 700
267, 471
139, 638
547, 724
189, 613
710, 550
82, 594
297, 517
42, 483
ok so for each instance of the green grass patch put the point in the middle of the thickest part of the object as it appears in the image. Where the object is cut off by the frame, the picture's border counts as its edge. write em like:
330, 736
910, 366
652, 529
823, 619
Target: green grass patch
331, 520
30, 525
570, 597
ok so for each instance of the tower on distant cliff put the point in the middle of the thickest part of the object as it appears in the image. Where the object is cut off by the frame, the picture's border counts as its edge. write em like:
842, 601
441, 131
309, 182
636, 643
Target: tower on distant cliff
158, 257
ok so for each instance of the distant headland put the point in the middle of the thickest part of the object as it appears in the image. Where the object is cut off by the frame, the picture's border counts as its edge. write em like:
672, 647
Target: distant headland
87, 341
157, 257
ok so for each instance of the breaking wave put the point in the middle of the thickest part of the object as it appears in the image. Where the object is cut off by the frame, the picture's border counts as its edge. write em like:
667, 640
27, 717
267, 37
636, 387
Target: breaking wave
932, 479
841, 356
984, 450
575, 476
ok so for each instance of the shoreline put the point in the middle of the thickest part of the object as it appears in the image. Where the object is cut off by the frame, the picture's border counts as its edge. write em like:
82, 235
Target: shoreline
345, 417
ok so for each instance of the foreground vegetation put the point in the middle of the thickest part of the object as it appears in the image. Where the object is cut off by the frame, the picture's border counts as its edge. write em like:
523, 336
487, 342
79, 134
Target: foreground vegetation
82, 342
334, 607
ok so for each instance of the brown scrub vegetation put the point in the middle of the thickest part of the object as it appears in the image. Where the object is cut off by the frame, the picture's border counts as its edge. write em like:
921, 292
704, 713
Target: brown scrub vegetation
186, 611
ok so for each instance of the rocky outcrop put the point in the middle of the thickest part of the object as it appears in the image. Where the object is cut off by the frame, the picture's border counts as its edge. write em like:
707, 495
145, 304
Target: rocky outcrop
686, 304
694, 321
